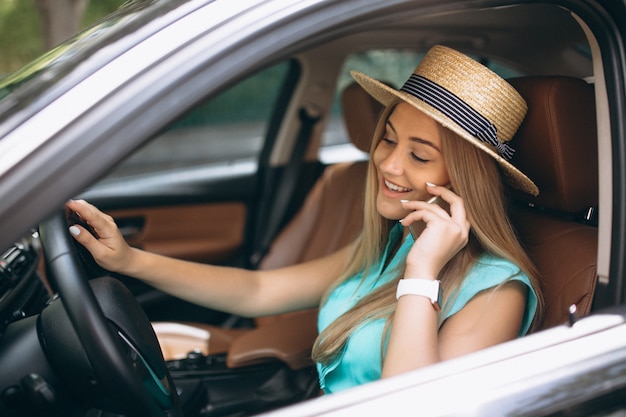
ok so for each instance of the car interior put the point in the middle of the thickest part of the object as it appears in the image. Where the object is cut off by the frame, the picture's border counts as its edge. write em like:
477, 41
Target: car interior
242, 366
555, 227
558, 228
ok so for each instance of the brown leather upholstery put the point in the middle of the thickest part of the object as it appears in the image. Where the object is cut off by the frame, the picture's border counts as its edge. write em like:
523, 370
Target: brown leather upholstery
360, 114
332, 213
557, 144
329, 219
289, 340
557, 148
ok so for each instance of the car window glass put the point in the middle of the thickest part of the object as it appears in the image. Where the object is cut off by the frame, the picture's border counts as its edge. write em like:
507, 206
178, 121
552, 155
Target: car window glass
389, 65
227, 127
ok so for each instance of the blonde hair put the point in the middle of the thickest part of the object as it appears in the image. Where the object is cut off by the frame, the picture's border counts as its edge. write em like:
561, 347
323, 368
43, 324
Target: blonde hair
491, 232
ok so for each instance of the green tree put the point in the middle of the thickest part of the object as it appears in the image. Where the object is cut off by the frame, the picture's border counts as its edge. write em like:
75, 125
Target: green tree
28, 28
59, 19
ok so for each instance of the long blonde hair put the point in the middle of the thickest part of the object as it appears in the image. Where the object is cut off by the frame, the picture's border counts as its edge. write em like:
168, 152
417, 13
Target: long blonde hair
491, 232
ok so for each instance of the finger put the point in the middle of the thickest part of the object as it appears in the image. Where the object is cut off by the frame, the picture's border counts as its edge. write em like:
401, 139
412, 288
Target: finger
416, 207
427, 214
456, 205
85, 211
457, 210
443, 191
85, 238
412, 217
100, 222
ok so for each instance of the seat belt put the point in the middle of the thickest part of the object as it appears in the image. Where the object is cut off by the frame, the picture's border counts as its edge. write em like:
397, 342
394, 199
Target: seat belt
286, 186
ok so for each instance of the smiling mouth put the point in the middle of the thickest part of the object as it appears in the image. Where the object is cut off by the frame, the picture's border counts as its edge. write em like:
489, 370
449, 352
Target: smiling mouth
393, 187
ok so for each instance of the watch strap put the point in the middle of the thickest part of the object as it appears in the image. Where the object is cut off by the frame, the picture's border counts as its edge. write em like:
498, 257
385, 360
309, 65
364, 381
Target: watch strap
422, 287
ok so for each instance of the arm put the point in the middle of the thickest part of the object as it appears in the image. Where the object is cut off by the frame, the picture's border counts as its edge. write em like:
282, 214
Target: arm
234, 290
415, 340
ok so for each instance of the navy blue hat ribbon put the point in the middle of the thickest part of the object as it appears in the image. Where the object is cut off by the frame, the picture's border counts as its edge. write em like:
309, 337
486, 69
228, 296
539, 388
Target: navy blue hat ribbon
458, 111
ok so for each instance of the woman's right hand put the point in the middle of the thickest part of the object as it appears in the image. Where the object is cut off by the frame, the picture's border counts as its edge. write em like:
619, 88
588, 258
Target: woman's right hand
444, 236
109, 248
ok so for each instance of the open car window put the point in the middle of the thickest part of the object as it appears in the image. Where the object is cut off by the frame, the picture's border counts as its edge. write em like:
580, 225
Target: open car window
228, 127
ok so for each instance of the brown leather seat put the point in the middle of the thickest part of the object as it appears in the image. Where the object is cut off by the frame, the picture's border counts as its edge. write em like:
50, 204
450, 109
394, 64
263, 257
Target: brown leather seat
333, 211
329, 219
557, 148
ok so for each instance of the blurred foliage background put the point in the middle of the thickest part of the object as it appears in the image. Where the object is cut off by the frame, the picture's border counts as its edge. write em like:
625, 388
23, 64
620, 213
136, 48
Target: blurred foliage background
21, 34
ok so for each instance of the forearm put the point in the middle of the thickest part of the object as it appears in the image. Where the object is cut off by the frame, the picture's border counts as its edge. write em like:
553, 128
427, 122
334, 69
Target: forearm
232, 290
413, 342
235, 290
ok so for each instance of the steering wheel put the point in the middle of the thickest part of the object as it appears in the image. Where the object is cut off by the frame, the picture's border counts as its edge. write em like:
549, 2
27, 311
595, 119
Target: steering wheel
108, 328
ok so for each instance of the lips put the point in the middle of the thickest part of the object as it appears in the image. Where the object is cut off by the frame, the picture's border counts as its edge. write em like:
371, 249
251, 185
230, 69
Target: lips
396, 188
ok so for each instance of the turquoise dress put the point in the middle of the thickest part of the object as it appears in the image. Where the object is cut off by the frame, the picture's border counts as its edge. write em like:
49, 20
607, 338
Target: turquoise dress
360, 360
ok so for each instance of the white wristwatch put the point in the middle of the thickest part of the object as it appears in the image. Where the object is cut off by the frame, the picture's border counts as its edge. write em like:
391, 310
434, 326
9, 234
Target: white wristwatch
424, 287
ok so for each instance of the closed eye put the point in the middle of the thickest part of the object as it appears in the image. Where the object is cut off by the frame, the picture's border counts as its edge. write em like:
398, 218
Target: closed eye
418, 159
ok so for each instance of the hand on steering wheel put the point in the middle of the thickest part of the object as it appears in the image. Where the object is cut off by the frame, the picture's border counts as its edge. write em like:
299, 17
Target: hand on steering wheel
119, 343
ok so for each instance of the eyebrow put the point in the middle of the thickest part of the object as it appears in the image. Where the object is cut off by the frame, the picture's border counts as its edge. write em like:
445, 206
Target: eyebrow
416, 139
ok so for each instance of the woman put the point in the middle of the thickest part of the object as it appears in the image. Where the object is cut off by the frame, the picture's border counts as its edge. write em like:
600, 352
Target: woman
391, 302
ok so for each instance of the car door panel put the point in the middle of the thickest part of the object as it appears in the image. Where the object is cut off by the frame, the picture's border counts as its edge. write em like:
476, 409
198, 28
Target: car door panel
186, 215
208, 233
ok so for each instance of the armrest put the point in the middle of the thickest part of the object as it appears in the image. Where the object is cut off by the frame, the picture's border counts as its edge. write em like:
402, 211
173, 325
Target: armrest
288, 339
178, 339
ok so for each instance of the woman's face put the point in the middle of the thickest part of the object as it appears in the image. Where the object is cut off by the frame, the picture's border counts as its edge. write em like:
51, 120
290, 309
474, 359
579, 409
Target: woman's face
408, 156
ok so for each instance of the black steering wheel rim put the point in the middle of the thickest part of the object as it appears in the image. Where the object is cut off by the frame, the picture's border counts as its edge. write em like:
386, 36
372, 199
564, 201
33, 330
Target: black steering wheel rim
102, 346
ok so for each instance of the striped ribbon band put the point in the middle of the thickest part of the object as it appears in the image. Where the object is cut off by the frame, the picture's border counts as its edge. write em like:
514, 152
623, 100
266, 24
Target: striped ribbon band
457, 110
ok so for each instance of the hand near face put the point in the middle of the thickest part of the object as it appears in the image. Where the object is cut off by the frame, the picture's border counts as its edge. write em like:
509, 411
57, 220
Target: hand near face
443, 237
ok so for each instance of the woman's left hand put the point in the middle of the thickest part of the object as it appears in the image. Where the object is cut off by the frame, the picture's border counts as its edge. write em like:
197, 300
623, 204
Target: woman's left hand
443, 237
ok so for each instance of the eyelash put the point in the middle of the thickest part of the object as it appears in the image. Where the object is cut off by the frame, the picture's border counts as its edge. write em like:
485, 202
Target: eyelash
415, 157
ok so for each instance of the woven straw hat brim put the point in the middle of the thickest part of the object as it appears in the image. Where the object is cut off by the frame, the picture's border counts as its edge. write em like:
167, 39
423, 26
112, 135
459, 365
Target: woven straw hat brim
387, 95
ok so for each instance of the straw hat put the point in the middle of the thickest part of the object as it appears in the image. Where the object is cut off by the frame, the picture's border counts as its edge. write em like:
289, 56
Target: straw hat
468, 99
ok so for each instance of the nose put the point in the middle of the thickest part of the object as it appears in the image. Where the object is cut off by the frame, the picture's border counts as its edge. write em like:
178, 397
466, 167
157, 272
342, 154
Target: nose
393, 163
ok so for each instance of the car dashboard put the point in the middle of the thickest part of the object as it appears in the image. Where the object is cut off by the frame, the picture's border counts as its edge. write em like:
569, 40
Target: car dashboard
22, 289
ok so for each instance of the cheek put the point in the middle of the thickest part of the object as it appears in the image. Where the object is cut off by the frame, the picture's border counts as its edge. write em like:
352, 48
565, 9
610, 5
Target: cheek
442, 177
435, 172
378, 156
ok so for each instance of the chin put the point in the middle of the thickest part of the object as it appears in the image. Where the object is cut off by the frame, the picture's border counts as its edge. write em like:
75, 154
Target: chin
391, 210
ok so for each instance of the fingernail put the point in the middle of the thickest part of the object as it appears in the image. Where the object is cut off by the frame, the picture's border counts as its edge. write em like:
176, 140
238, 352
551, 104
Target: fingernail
430, 184
404, 201
74, 230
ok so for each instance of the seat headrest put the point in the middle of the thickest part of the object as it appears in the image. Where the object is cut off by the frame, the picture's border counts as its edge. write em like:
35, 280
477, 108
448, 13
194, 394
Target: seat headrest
557, 142
360, 115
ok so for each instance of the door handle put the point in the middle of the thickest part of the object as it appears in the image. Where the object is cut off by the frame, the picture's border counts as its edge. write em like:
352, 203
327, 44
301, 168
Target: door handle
131, 227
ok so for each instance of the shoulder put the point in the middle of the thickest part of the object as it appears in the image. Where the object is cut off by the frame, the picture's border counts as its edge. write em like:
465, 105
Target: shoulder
489, 272
494, 266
